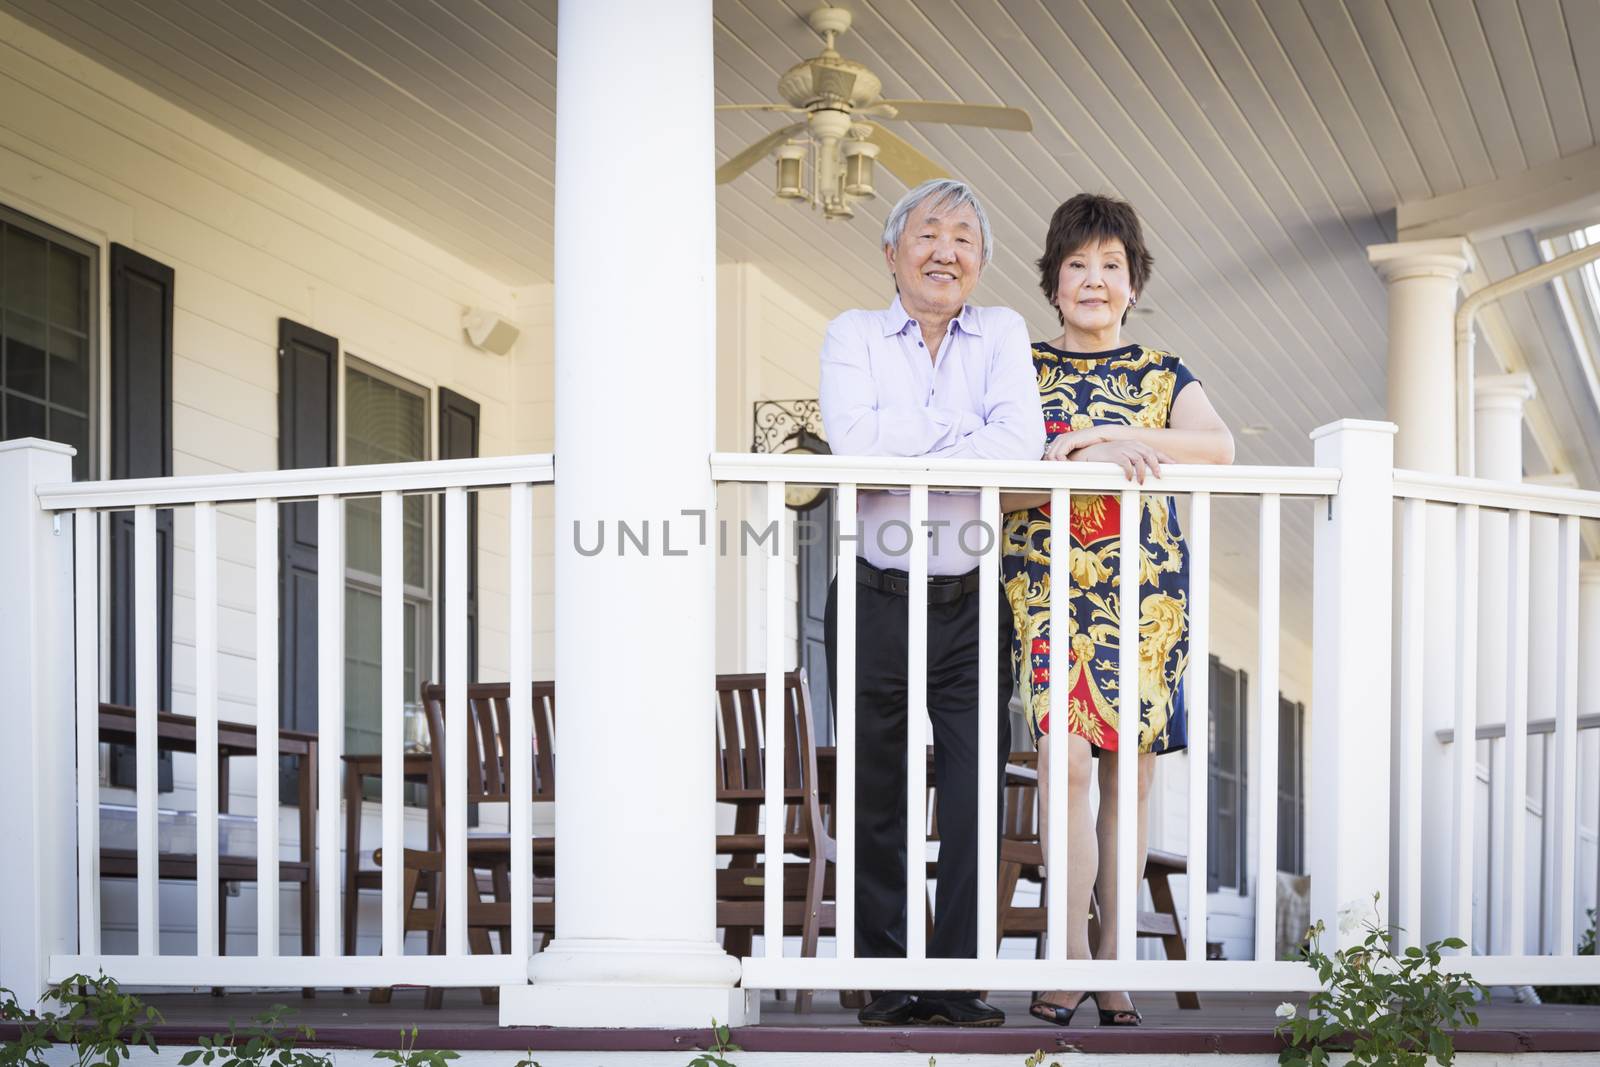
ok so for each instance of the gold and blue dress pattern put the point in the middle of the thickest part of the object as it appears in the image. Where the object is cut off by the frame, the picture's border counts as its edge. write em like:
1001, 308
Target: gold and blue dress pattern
1129, 386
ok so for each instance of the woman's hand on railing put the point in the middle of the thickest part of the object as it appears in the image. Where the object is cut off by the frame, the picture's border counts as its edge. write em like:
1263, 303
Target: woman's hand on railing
1137, 459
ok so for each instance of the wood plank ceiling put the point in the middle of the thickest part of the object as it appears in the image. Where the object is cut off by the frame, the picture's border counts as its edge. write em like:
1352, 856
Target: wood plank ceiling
1265, 143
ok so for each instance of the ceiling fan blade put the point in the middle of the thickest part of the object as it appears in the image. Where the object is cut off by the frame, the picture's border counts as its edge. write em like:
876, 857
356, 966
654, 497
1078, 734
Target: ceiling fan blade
752, 155
957, 114
903, 161
762, 107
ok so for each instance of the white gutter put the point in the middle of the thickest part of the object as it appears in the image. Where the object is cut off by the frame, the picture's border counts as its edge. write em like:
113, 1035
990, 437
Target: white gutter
1466, 339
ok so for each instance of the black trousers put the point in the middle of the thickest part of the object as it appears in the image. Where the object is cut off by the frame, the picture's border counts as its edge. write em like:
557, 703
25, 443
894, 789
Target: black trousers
881, 763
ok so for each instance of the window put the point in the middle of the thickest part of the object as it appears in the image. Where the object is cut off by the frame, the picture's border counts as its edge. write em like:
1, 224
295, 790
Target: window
47, 331
1578, 295
386, 421
1226, 858
1291, 787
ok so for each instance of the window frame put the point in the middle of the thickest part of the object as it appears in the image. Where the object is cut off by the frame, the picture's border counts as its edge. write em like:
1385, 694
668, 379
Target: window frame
1238, 719
420, 597
1291, 800
94, 253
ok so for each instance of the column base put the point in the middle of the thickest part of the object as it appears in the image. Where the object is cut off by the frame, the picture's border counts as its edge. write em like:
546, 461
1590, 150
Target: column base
628, 984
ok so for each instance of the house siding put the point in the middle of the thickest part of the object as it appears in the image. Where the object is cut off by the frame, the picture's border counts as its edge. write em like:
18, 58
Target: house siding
250, 240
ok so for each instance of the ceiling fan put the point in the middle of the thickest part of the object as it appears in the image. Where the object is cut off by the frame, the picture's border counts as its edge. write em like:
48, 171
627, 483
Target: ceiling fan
838, 97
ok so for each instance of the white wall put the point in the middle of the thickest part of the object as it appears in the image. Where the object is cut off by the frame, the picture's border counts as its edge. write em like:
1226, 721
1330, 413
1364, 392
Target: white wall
250, 241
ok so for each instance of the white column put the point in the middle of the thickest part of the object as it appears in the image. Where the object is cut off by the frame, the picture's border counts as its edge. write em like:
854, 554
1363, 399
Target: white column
1543, 571
1423, 279
635, 240
1589, 740
38, 894
1350, 674
1498, 404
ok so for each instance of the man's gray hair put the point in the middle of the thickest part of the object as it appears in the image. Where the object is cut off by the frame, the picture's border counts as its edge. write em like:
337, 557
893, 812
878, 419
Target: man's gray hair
945, 193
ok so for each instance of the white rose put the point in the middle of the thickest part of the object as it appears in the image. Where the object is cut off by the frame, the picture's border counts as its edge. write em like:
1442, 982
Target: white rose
1285, 1011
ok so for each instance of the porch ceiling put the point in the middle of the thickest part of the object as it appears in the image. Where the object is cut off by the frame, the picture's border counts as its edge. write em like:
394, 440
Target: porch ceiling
1265, 143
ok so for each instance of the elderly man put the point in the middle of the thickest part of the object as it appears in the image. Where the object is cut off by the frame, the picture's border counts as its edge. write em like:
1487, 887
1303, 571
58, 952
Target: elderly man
930, 376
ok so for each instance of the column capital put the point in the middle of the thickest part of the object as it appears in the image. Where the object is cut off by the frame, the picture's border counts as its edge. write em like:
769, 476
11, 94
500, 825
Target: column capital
1508, 392
1447, 258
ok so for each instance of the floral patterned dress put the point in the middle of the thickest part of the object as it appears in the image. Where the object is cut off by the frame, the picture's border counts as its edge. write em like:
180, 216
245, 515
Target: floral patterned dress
1129, 386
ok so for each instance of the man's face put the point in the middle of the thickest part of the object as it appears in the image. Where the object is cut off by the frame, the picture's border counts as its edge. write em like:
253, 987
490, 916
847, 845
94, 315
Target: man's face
938, 258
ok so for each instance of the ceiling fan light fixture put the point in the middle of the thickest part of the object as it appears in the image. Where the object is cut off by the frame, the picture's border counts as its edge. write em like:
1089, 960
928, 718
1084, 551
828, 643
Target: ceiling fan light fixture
860, 159
791, 172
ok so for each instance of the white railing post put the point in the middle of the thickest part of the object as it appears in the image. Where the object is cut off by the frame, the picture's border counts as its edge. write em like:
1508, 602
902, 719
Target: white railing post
1348, 817
38, 894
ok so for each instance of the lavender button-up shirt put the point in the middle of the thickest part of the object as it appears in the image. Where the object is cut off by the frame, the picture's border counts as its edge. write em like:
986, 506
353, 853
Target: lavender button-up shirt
882, 396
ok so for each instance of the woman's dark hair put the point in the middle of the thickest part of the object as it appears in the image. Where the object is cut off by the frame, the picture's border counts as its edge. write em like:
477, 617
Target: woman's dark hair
1089, 218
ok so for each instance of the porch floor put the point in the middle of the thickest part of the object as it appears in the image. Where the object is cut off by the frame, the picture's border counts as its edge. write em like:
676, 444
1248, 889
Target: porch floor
1232, 1022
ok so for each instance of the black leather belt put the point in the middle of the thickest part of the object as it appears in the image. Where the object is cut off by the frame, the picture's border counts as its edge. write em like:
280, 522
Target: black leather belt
943, 589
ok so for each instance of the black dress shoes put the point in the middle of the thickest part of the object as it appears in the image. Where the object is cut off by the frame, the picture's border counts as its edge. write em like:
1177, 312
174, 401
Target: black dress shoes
957, 1009
894, 1008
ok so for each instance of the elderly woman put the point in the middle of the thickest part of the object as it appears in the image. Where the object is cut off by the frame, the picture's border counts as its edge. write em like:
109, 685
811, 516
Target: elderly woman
1109, 401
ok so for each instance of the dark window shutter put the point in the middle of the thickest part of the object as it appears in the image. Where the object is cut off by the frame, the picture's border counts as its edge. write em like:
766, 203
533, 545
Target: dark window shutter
1242, 829
141, 447
308, 398
458, 439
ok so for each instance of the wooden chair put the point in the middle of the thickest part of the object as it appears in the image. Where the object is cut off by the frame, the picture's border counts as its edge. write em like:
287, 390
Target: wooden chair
176, 733
488, 854
1022, 859
808, 908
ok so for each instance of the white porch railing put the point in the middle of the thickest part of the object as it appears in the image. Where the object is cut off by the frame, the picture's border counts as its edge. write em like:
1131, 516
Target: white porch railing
1350, 783
82, 506
1354, 489
848, 475
1466, 502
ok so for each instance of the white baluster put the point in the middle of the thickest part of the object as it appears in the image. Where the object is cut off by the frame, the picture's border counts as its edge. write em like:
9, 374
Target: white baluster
1130, 715
844, 811
392, 628
1413, 633
146, 694
1197, 706
1464, 780
267, 768
773, 809
1565, 739
988, 732
456, 710
1515, 749
521, 676
86, 617
330, 720
1060, 649
917, 731
1264, 788
205, 728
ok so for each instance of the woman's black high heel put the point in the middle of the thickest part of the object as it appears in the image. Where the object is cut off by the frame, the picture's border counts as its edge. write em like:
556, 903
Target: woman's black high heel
1054, 1014
1116, 1016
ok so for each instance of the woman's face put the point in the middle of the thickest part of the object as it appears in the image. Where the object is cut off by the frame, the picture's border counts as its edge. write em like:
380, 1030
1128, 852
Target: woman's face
1092, 290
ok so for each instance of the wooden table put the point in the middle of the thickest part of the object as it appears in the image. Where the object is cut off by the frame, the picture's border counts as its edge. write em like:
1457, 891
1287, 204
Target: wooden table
176, 733
418, 767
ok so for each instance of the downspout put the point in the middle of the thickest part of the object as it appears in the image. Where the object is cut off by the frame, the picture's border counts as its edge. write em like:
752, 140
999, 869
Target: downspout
1466, 339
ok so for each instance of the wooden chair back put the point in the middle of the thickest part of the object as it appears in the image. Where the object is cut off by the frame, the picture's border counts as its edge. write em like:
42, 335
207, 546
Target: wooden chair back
489, 741
742, 751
